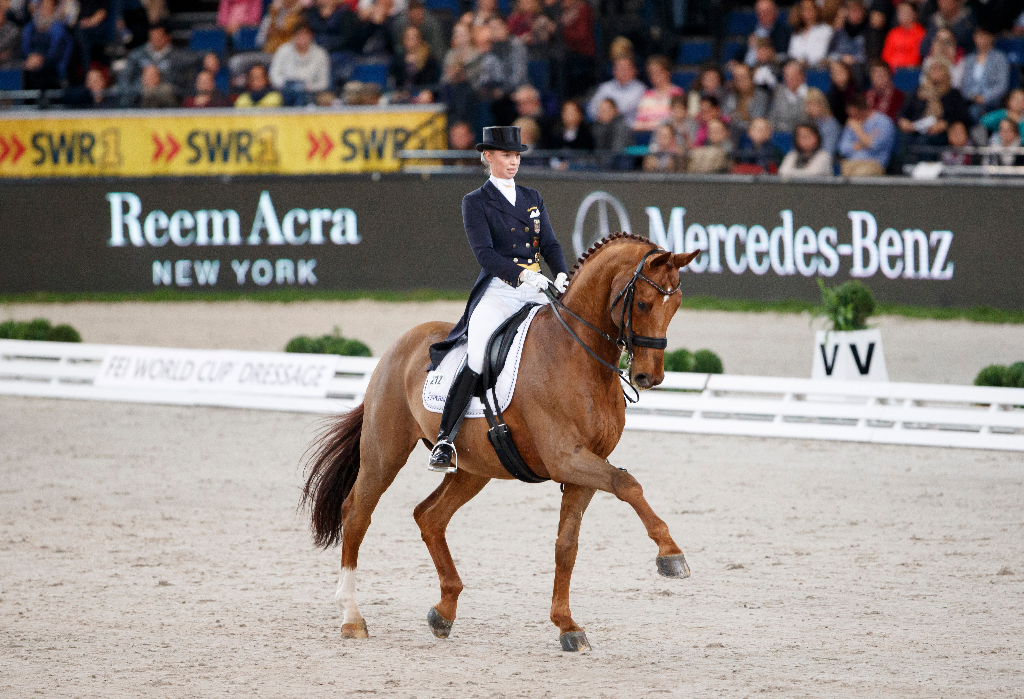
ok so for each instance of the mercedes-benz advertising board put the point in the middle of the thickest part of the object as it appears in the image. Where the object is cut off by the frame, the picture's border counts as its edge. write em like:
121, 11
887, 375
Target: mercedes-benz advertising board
930, 245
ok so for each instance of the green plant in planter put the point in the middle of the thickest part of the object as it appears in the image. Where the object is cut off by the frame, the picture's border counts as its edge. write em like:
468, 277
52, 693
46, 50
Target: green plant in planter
39, 330
847, 306
328, 344
702, 361
1001, 376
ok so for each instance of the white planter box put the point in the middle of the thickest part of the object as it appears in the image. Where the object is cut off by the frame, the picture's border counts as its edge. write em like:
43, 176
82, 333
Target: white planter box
855, 355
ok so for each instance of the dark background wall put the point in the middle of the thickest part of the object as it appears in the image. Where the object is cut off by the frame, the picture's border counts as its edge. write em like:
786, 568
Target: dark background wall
55, 235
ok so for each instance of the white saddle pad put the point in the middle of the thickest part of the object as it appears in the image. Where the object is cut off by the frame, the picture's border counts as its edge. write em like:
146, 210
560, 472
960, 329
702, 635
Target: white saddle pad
439, 381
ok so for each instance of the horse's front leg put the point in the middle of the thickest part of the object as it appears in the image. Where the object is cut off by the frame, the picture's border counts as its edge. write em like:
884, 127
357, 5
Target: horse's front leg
588, 470
574, 503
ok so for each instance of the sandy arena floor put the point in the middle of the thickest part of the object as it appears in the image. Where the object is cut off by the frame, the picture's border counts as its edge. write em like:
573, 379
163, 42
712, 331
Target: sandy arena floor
151, 551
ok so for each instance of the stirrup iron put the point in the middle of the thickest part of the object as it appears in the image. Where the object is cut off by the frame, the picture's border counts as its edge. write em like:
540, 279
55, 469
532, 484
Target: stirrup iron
453, 464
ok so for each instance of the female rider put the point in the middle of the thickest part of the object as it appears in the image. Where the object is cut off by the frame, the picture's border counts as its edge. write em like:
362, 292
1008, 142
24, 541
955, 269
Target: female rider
508, 230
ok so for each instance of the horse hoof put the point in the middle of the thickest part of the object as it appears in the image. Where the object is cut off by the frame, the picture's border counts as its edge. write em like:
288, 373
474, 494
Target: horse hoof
673, 566
357, 630
439, 626
573, 641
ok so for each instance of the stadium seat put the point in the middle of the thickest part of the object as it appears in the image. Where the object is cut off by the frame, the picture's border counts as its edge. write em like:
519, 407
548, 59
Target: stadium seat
453, 6
906, 79
205, 40
245, 39
1013, 47
684, 78
783, 141
642, 138
505, 6
695, 52
10, 79
540, 73
223, 79
733, 50
740, 23
819, 79
372, 73
342, 64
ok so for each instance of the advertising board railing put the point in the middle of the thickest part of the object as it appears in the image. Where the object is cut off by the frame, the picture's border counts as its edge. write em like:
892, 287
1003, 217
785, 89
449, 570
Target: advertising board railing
215, 141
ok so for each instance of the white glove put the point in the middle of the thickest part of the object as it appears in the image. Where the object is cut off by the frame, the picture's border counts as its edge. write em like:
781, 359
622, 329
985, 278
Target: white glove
535, 279
561, 282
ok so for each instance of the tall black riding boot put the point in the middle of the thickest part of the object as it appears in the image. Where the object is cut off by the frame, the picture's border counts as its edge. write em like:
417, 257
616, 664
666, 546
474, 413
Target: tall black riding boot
455, 406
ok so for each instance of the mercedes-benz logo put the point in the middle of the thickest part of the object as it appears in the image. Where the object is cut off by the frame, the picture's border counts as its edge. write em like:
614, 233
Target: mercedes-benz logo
602, 199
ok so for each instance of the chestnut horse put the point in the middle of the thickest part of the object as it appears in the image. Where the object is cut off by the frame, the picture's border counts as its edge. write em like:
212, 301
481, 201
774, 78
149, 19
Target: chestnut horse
566, 416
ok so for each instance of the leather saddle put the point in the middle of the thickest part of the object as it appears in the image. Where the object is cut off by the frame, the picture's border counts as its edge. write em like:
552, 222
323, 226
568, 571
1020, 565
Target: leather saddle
499, 433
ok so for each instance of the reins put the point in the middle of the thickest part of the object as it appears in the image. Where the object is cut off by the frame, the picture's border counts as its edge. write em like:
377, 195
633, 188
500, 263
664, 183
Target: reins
627, 339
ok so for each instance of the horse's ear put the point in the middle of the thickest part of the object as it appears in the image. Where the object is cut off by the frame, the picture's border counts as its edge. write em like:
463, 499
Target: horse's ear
685, 258
660, 259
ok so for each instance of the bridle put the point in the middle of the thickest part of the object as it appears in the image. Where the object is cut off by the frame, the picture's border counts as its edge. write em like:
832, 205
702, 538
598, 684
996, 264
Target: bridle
627, 339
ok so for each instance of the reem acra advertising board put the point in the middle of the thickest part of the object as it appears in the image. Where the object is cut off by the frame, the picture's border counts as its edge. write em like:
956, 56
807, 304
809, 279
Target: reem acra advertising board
911, 244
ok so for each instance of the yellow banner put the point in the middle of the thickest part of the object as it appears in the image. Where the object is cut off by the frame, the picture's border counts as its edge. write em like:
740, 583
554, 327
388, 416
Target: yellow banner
216, 142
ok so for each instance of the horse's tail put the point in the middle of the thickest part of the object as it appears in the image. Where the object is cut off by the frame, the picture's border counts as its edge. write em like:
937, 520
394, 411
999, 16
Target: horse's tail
330, 474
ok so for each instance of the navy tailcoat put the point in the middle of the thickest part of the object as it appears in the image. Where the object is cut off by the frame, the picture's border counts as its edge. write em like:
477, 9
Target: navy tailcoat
502, 237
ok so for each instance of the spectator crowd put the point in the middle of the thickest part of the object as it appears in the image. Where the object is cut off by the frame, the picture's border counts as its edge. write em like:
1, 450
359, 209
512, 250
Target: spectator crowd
809, 92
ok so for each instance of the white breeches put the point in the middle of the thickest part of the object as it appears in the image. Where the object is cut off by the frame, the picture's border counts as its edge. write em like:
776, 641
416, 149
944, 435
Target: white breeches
497, 305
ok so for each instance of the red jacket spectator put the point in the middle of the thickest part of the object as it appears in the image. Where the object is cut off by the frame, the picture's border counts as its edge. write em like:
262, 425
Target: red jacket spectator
578, 27
902, 47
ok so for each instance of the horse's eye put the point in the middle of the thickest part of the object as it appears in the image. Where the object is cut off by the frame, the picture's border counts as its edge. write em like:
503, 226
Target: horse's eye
643, 306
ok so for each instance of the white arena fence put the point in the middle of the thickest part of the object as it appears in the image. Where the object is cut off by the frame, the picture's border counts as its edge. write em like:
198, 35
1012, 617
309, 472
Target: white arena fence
877, 412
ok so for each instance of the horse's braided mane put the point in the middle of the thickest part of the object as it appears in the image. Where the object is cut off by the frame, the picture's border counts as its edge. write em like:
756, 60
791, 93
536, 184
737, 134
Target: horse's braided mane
603, 242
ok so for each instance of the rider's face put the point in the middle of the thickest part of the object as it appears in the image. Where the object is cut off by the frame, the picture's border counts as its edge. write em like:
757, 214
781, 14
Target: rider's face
504, 163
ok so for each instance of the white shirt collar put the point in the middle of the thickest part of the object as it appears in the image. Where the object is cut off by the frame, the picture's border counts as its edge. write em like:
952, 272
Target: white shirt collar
506, 187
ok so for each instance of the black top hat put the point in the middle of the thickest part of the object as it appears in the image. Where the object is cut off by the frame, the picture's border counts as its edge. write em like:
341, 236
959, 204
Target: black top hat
501, 138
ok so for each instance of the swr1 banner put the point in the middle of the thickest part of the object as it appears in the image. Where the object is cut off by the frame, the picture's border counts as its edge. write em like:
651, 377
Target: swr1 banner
216, 142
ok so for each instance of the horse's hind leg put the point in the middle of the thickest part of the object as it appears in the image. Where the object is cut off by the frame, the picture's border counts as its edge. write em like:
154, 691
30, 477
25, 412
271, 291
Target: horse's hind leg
381, 458
575, 500
432, 515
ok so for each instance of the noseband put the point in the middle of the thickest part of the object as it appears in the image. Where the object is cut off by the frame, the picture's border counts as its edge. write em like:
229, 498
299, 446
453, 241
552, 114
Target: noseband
627, 339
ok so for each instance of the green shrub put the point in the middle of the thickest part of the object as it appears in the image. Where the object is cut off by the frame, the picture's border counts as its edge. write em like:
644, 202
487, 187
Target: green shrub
679, 360
702, 361
39, 330
992, 375
846, 306
707, 362
328, 344
1014, 376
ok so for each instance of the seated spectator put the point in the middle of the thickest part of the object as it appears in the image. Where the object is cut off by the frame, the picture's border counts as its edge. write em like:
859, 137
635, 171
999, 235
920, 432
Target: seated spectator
529, 134
535, 29
94, 31
612, 135
986, 76
258, 91
811, 36
93, 94
954, 16
232, 15
1005, 145
867, 141
766, 70
572, 131
685, 127
844, 86
849, 42
335, 26
528, 105
10, 39
156, 94
761, 155
927, 114
1014, 111
819, 112
460, 137
654, 105
745, 101
173, 64
770, 26
880, 14
883, 96
713, 157
460, 49
624, 89
377, 27
457, 93
808, 158
903, 43
417, 15
206, 93
788, 103
958, 152
483, 12
944, 48
416, 68
710, 81
664, 154
710, 111
576, 32
511, 54
279, 24
300, 67
46, 46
